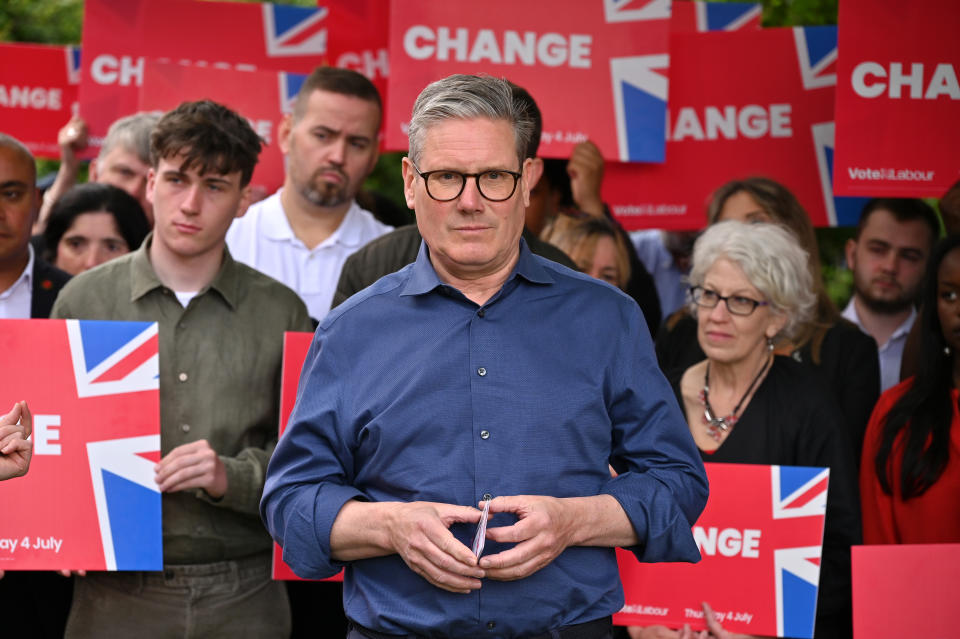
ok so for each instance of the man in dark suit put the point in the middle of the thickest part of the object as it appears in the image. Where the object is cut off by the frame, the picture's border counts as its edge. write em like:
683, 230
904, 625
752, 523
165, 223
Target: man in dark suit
28, 284
28, 288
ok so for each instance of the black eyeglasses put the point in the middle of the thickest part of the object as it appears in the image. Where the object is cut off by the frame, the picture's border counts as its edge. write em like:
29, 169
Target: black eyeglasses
736, 304
495, 185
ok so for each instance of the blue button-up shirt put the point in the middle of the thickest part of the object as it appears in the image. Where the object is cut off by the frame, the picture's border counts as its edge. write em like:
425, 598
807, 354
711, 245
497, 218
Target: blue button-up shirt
412, 392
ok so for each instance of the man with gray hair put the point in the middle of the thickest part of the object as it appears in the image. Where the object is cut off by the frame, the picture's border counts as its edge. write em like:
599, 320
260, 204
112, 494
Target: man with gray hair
477, 376
123, 161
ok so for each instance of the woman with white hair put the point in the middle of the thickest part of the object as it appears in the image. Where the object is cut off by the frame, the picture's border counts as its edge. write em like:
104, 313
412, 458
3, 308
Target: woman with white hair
751, 288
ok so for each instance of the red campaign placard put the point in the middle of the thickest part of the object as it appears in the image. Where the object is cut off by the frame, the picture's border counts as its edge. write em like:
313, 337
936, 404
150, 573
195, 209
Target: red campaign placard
38, 89
905, 590
699, 16
898, 98
596, 69
749, 102
119, 36
760, 537
89, 500
260, 96
358, 39
295, 347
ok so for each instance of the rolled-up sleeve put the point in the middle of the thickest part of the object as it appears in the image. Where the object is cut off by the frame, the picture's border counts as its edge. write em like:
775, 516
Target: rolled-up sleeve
308, 481
661, 485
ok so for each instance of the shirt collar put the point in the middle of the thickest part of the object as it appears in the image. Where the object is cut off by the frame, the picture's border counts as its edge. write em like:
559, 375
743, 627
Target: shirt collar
144, 279
277, 226
26, 277
850, 313
423, 277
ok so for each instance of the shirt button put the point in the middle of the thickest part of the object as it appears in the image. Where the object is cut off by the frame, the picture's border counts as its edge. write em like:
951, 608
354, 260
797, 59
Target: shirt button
484, 434
481, 313
491, 625
185, 428
182, 377
481, 371
487, 496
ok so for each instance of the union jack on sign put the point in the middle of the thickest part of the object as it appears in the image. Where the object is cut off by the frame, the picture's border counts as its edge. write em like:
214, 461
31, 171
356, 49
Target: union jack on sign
633, 10
293, 31
290, 84
109, 359
73, 64
760, 538
90, 500
817, 54
727, 16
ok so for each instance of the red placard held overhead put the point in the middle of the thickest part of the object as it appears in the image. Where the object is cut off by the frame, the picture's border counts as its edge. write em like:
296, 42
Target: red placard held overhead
596, 69
38, 89
89, 500
260, 96
760, 538
898, 98
119, 37
756, 102
358, 38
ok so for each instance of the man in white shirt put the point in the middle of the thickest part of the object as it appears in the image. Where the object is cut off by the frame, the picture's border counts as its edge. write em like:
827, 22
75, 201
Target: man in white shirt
888, 257
28, 285
303, 233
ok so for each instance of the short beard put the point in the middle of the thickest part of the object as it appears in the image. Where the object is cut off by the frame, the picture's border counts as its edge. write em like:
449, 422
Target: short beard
325, 196
885, 307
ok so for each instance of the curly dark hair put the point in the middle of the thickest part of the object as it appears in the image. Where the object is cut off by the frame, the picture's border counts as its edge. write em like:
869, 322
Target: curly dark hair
210, 137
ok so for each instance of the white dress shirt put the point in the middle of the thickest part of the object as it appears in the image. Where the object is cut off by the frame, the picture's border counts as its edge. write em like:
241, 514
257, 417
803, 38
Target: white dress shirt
15, 302
890, 353
263, 239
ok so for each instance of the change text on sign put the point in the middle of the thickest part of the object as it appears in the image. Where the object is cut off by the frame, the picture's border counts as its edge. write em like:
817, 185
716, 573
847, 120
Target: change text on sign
729, 542
730, 122
14, 97
872, 79
512, 47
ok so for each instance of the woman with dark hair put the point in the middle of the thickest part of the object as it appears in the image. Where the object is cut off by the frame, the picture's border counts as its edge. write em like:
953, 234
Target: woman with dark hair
910, 473
91, 224
844, 357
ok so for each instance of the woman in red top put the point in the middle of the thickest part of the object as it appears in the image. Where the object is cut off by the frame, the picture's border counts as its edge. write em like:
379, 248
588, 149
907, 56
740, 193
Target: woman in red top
910, 471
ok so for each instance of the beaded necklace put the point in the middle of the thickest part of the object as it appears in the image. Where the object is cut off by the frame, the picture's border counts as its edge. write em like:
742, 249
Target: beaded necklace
716, 426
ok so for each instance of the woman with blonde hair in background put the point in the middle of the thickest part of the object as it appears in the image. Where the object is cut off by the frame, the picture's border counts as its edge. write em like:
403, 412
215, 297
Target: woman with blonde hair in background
594, 244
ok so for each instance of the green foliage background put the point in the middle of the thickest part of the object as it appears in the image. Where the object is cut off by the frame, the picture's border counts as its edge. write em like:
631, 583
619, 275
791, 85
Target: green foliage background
60, 22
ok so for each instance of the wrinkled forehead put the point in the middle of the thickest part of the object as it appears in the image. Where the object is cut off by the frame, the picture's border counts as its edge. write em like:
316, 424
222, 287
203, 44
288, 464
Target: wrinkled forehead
470, 139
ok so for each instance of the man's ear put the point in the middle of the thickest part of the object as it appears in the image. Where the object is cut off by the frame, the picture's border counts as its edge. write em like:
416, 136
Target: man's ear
283, 133
532, 172
246, 195
535, 171
850, 251
375, 156
151, 185
409, 175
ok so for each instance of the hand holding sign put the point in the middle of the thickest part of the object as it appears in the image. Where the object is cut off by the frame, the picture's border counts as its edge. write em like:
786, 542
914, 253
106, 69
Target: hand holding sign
15, 447
193, 465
